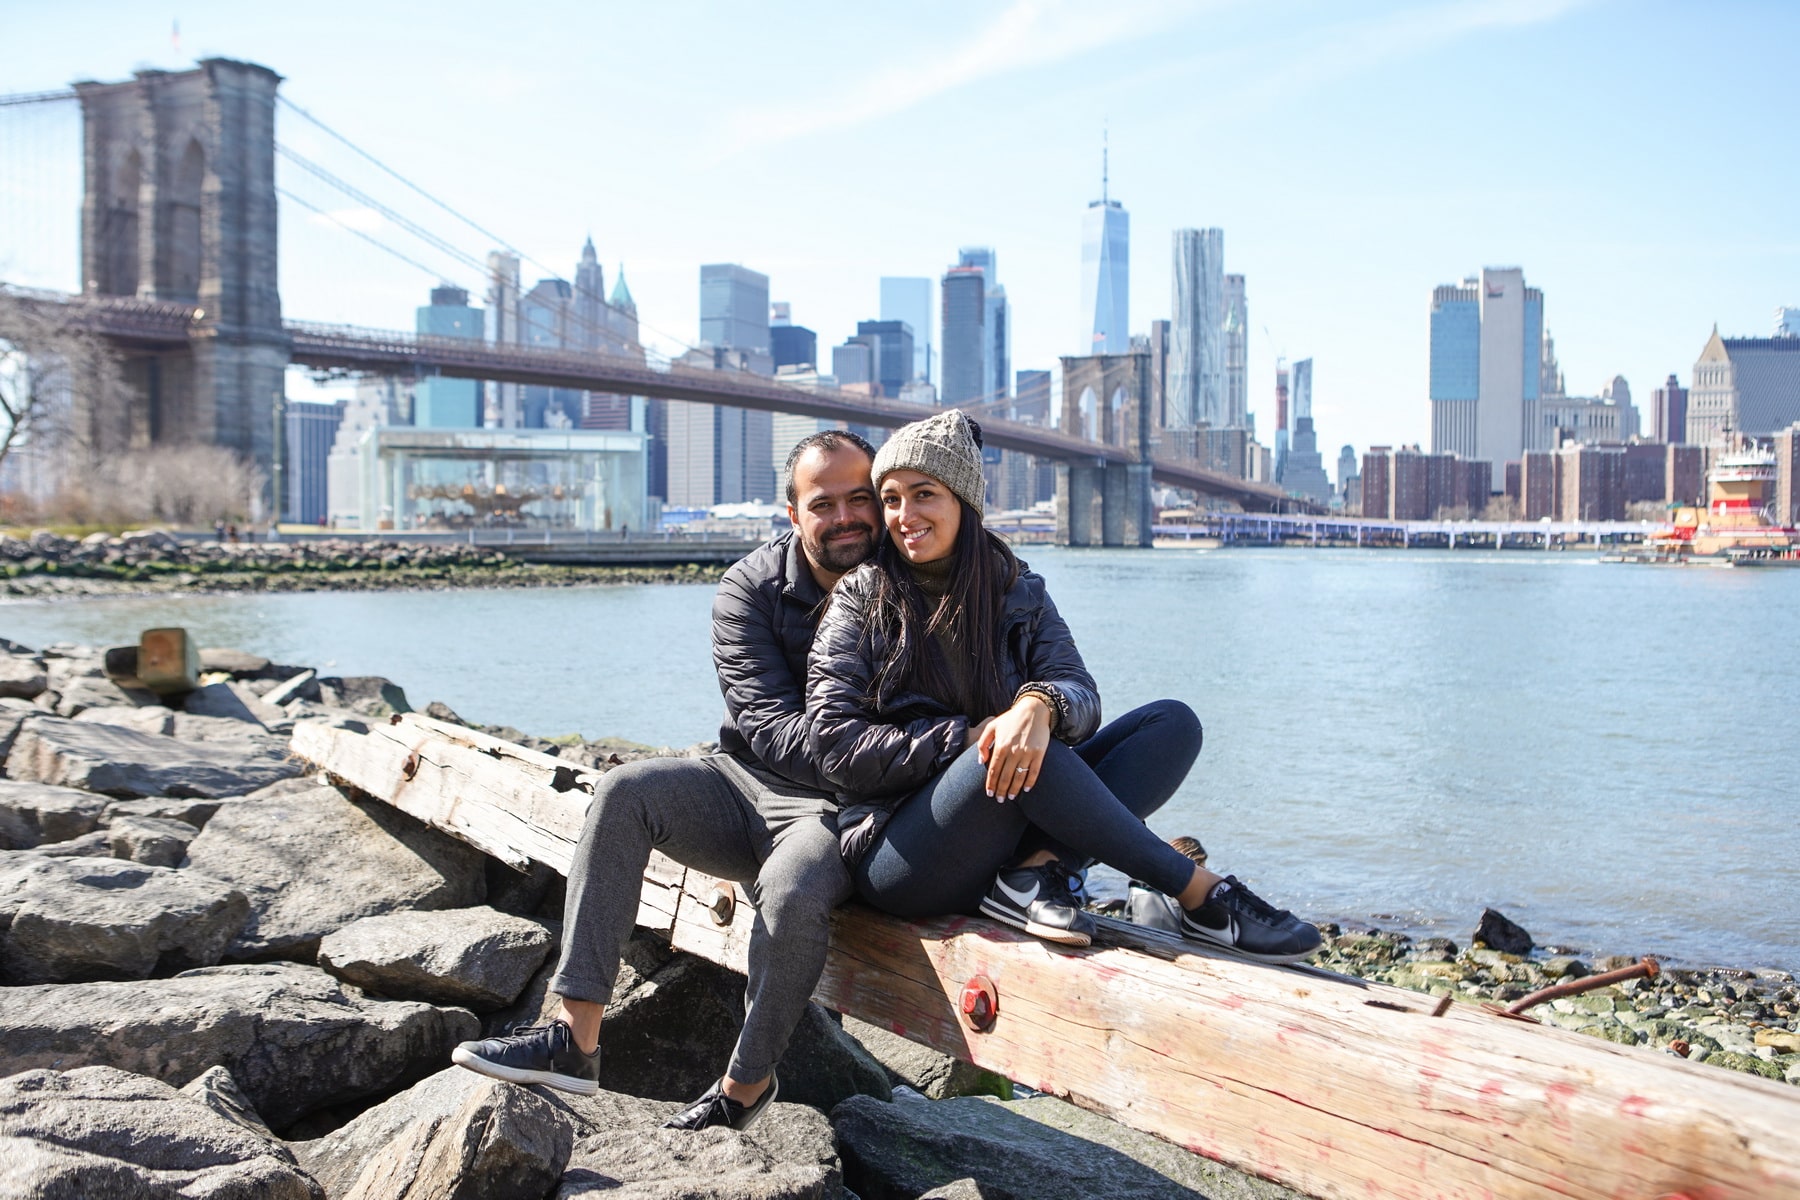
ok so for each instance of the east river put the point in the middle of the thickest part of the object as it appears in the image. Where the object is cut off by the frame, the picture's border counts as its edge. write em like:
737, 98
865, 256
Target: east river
1606, 753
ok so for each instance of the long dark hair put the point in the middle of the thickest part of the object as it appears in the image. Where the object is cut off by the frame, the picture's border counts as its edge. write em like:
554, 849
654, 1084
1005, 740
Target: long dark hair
969, 612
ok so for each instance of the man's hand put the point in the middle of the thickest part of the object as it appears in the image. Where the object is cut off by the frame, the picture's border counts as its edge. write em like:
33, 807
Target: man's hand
1013, 745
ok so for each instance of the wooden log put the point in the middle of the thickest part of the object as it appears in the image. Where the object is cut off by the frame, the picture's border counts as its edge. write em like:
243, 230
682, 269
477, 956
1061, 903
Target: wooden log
1334, 1086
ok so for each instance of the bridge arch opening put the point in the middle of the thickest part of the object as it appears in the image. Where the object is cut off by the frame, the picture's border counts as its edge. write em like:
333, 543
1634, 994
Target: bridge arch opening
119, 229
1086, 408
182, 275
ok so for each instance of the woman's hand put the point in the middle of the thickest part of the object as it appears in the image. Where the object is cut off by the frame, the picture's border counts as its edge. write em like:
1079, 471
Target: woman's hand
1013, 744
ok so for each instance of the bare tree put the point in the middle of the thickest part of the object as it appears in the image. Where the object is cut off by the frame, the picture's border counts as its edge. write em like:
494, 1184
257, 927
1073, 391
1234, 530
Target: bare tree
53, 371
1501, 508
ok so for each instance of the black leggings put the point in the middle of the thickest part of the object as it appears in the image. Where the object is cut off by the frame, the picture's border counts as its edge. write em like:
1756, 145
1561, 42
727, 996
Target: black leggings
939, 853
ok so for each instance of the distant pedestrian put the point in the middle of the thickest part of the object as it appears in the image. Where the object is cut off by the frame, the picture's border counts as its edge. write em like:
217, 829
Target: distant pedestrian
231, 533
219, 530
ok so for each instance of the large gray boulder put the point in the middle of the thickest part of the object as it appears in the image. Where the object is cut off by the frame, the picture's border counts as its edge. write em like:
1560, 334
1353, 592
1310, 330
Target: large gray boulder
217, 1090
1037, 1149
230, 732
93, 691
232, 662
152, 718
313, 861
125, 763
99, 1132
153, 841
293, 1037
70, 919
924, 1070
670, 1028
453, 1134
475, 957
370, 695
32, 814
22, 675
234, 701
12, 719
623, 1153
188, 810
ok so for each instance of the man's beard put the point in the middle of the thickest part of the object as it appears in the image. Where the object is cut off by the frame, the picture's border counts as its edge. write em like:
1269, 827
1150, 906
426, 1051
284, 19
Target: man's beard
841, 556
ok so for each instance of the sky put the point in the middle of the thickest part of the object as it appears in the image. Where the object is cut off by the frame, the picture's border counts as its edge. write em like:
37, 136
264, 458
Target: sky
1636, 159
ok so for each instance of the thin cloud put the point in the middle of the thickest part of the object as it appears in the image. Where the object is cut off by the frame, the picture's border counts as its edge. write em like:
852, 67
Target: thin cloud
1029, 33
1350, 49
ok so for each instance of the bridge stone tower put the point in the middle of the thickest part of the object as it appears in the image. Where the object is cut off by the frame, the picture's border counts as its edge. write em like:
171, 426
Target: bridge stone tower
179, 207
1106, 399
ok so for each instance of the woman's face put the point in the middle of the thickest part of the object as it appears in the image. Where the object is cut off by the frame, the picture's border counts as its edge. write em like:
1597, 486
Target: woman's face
922, 515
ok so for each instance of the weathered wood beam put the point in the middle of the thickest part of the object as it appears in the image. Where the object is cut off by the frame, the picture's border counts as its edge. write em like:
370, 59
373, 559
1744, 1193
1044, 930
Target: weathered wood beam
1334, 1086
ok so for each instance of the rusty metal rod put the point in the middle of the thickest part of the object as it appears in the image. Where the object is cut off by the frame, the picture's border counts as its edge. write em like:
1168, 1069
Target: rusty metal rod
1647, 968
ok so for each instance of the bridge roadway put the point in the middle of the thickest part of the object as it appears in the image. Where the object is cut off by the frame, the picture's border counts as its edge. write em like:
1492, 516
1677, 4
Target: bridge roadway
386, 352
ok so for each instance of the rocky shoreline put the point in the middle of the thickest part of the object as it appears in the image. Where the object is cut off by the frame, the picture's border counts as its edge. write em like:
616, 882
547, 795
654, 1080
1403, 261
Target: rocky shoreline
222, 977
152, 562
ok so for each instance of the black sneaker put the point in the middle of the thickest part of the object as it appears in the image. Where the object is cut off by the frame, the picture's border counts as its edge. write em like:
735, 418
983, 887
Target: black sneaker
1040, 901
1235, 918
544, 1054
715, 1108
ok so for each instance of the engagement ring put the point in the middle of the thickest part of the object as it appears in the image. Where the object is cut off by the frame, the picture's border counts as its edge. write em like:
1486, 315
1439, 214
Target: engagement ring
1020, 770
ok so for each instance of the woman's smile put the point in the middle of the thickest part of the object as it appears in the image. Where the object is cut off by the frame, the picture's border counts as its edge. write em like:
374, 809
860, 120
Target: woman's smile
922, 515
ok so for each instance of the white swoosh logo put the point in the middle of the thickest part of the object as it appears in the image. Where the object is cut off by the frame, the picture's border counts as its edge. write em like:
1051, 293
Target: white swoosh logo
1022, 899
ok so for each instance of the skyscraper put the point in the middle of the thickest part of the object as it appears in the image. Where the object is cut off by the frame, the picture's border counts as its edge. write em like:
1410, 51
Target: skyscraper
1196, 346
1236, 337
908, 299
734, 307
1749, 384
1787, 321
996, 366
1281, 418
891, 343
439, 402
1305, 470
1487, 365
503, 329
719, 455
606, 410
547, 320
964, 327
791, 345
1668, 417
1105, 274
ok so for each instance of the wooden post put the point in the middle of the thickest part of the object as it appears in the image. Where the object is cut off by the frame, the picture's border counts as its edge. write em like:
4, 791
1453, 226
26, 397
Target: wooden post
1334, 1086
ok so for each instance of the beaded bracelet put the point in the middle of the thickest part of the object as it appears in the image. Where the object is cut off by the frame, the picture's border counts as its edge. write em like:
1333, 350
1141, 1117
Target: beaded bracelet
1051, 695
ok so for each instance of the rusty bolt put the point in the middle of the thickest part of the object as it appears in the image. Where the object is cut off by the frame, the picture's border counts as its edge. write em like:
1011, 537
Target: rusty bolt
980, 1003
411, 766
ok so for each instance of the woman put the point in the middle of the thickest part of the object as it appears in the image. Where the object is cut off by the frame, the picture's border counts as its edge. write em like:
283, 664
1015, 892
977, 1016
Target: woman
949, 707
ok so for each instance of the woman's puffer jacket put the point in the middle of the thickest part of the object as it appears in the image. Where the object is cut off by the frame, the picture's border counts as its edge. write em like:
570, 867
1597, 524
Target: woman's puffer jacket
880, 756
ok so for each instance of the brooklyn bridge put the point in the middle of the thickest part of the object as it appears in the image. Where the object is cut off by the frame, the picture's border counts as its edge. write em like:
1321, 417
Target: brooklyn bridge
180, 263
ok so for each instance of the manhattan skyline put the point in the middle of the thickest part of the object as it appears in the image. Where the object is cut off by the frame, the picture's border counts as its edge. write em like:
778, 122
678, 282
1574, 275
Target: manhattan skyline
1353, 163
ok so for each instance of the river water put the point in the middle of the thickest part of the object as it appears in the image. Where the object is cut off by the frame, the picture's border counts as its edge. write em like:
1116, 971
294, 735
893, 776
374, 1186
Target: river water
1606, 753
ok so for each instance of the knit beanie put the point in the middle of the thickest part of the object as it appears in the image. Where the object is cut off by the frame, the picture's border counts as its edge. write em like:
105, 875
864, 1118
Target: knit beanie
946, 447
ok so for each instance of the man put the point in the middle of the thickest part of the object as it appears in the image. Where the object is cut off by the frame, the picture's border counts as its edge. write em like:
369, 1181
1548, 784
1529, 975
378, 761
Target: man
756, 812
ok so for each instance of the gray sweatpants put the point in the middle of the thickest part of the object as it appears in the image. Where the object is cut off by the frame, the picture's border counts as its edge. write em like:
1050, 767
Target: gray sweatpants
725, 818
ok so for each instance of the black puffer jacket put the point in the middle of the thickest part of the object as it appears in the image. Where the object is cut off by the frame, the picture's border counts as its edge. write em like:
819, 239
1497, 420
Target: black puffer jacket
763, 618
879, 756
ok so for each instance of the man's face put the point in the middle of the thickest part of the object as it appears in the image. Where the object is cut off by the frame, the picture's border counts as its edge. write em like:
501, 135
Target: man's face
834, 508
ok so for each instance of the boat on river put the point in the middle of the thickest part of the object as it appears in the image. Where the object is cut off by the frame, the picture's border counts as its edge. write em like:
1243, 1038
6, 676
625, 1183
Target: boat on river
1737, 527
